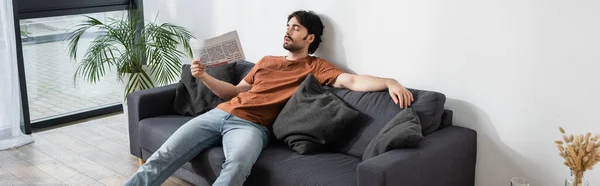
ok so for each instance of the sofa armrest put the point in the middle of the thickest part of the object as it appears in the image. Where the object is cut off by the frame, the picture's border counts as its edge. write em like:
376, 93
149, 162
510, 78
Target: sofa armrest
145, 104
445, 158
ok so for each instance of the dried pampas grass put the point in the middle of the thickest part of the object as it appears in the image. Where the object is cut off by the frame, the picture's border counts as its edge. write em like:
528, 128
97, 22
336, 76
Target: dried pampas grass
580, 152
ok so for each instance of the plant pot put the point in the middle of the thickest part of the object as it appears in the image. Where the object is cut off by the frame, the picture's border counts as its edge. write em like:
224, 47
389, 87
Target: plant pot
123, 88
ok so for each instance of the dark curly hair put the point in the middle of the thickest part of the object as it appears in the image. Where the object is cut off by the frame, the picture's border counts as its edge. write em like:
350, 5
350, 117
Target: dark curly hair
313, 24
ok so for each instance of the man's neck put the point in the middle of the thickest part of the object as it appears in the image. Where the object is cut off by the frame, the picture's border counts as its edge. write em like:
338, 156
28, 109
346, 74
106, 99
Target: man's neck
293, 56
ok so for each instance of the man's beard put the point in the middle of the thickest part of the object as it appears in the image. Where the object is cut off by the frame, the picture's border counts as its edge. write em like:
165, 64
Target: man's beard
291, 47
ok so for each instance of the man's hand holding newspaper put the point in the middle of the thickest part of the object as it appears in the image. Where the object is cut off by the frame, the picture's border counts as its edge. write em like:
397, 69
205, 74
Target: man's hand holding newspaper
198, 68
219, 50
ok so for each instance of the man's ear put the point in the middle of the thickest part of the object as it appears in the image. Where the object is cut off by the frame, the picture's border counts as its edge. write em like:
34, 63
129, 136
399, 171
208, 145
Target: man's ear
310, 38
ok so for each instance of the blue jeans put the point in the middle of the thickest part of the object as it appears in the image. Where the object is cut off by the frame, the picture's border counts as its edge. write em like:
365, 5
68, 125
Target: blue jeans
242, 141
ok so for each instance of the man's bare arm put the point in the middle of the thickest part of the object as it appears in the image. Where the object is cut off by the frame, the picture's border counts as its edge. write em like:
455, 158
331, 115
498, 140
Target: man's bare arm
365, 83
223, 89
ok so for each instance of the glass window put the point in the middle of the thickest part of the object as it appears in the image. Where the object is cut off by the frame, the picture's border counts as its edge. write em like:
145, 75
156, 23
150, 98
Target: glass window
49, 72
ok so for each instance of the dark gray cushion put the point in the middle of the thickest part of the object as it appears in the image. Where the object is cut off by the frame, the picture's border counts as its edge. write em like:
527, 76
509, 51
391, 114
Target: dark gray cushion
312, 118
404, 130
377, 108
192, 97
156, 130
241, 70
278, 166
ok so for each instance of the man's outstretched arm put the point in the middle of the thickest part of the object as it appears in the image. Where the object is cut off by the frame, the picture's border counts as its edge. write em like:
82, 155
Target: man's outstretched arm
222, 89
366, 83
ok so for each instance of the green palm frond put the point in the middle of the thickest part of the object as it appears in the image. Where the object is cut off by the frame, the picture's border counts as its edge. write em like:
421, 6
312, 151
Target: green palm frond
97, 57
182, 35
162, 53
130, 45
78, 31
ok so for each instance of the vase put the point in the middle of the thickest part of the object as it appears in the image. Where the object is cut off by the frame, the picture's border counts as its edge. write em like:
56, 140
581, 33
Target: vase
518, 181
570, 181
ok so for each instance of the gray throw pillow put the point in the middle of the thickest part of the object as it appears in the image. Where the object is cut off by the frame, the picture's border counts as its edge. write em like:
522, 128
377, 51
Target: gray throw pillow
192, 97
313, 118
402, 131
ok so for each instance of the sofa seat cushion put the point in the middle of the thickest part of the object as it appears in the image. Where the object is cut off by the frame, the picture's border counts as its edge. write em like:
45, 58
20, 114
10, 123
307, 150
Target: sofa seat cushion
208, 163
277, 165
280, 165
156, 130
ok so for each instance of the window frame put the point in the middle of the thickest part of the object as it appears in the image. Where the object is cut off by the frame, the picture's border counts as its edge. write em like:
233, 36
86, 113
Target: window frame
28, 9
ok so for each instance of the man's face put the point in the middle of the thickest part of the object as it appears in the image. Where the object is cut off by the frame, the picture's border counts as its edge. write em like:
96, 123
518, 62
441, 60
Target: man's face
296, 36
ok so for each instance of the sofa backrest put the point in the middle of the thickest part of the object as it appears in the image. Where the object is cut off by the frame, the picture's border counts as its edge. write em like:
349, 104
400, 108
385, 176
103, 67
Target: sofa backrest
377, 108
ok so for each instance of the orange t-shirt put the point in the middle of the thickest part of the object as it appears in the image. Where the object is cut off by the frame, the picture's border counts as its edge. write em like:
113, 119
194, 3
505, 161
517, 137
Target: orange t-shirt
274, 80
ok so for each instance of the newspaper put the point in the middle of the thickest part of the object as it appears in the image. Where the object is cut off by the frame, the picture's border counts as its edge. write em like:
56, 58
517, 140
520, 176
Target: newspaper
218, 50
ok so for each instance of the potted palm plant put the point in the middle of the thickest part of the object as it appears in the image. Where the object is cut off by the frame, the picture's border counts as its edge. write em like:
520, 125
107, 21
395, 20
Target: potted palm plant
145, 55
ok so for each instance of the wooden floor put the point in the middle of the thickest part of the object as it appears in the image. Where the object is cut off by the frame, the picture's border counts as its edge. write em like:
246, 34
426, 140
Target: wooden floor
91, 152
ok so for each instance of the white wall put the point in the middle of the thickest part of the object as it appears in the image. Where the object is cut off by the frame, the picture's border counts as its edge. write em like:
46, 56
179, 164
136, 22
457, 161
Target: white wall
514, 70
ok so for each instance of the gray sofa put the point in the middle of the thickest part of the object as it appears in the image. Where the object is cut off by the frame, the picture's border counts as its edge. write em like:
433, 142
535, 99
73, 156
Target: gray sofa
445, 157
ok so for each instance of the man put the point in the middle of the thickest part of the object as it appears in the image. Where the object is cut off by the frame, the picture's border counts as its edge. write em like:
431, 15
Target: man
242, 123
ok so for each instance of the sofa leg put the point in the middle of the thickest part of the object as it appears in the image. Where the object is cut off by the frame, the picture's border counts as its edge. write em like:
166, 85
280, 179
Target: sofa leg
141, 161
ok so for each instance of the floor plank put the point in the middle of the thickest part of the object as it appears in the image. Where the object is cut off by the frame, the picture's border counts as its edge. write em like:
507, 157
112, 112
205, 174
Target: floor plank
118, 127
33, 176
54, 150
114, 180
72, 159
67, 174
8, 160
170, 182
89, 137
87, 151
6, 178
91, 152
179, 181
32, 155
53, 167
113, 148
99, 128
